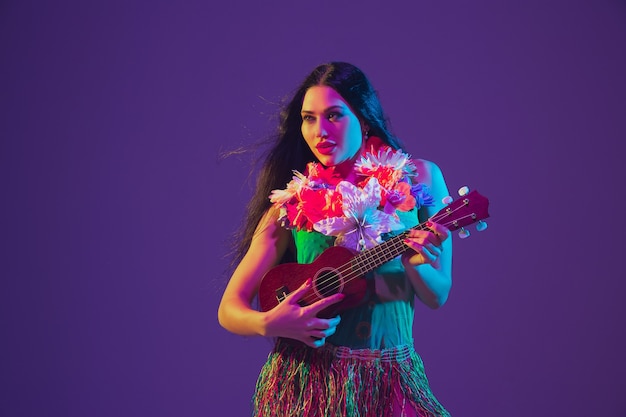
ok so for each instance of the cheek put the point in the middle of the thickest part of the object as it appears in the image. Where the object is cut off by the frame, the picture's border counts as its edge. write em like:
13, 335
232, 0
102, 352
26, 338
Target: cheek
353, 135
307, 129
306, 132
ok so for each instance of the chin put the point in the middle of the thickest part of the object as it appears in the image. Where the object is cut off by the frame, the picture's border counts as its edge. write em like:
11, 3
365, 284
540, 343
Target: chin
327, 161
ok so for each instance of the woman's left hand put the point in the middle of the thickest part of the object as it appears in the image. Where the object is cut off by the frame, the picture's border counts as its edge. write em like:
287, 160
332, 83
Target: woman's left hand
425, 244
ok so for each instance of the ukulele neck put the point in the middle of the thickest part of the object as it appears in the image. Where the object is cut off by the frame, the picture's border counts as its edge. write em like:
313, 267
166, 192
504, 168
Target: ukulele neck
374, 257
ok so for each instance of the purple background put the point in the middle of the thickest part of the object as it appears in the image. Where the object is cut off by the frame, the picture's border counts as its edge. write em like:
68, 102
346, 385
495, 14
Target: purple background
115, 206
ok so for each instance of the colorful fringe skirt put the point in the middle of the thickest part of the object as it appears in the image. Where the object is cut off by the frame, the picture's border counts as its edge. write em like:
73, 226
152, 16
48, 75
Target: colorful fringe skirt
341, 382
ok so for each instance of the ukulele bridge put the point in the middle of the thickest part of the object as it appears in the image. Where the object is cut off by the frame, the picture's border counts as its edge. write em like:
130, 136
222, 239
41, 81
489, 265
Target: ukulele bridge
281, 293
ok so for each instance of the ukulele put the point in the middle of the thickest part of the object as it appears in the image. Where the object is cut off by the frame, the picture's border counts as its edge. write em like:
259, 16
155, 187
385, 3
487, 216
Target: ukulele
339, 269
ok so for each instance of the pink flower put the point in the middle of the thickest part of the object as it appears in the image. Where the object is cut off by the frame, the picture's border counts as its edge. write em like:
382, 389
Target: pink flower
400, 198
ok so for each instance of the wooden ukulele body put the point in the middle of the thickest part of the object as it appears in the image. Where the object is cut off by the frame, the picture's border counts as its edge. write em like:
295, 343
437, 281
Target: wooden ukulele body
331, 272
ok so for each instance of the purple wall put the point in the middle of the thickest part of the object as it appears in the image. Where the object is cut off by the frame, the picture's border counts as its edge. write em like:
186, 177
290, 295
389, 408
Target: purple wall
115, 207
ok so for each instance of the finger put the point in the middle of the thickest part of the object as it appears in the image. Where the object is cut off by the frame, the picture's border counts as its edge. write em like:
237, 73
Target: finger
428, 252
416, 243
425, 237
320, 305
322, 334
431, 251
316, 343
434, 238
323, 324
334, 322
299, 292
434, 234
439, 230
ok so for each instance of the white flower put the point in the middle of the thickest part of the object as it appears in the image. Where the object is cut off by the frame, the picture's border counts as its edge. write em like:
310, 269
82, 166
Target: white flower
388, 158
362, 224
279, 197
294, 186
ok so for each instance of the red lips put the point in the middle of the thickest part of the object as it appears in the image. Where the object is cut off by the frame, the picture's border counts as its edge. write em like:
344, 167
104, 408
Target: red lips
326, 147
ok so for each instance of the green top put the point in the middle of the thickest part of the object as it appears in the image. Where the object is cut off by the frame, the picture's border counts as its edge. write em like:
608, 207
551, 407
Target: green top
386, 318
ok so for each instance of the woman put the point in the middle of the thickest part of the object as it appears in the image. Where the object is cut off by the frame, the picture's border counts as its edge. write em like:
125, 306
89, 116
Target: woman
337, 176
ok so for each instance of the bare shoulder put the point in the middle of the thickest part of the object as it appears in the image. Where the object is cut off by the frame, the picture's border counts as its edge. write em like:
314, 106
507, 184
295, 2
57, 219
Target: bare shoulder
269, 231
428, 172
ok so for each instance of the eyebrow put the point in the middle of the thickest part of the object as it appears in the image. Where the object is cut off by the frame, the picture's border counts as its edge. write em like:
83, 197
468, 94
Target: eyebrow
336, 107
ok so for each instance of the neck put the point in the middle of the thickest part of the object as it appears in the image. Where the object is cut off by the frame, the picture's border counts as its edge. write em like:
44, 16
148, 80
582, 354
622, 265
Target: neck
345, 169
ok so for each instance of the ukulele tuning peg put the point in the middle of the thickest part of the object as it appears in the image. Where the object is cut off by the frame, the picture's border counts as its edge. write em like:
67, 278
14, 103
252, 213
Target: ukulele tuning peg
481, 225
446, 200
464, 233
464, 191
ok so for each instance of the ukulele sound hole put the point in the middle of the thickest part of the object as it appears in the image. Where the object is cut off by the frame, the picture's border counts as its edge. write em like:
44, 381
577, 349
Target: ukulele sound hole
327, 282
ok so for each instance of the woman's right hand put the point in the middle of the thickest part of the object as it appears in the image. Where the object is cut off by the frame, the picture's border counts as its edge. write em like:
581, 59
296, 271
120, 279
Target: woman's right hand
289, 319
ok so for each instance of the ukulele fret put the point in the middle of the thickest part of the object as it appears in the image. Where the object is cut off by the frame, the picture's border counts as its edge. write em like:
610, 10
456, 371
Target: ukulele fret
360, 265
374, 257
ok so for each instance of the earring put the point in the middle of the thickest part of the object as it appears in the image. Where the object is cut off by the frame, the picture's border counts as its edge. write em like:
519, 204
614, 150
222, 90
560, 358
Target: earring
366, 134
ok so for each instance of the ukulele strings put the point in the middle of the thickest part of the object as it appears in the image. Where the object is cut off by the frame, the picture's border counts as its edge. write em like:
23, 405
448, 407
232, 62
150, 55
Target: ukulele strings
330, 284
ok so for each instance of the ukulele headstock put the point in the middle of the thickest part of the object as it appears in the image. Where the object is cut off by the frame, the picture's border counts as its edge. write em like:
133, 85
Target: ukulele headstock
470, 208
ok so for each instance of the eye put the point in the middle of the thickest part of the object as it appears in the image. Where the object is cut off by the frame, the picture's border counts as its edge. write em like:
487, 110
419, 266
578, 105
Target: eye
333, 116
307, 118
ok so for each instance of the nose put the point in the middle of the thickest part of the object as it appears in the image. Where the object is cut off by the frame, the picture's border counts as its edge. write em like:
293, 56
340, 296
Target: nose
321, 128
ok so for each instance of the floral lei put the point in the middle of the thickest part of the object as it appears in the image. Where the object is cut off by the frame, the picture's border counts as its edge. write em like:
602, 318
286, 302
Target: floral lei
357, 214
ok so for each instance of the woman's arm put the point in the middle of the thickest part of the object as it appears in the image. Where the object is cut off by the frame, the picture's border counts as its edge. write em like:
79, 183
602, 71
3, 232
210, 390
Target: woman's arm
267, 247
429, 264
288, 319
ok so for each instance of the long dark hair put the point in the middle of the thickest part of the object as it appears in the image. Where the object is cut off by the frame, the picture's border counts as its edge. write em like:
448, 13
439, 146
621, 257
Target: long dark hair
289, 150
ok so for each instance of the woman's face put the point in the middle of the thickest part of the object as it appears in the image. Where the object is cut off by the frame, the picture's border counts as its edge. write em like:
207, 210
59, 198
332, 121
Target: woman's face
329, 126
